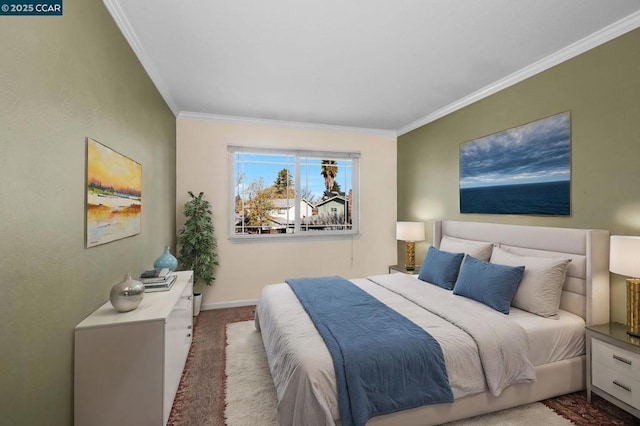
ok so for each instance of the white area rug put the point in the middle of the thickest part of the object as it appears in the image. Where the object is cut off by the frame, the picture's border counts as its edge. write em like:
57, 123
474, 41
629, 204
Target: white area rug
251, 397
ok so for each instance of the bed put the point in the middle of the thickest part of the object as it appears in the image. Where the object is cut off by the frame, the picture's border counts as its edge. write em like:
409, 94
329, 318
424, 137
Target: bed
302, 367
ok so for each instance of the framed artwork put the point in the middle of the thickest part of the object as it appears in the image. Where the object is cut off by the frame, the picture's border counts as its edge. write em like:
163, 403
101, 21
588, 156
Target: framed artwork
114, 195
523, 170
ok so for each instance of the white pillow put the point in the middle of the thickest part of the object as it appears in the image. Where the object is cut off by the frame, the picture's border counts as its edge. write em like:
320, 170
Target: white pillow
478, 249
541, 286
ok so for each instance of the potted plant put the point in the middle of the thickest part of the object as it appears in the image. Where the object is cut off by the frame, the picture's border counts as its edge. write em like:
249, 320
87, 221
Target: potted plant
197, 244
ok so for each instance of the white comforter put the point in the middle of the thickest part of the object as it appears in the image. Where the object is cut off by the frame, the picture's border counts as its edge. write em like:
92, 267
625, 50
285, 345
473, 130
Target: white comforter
302, 367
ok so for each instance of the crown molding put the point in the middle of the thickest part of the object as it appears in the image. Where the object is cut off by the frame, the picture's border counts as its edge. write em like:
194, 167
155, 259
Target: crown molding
279, 123
596, 39
113, 6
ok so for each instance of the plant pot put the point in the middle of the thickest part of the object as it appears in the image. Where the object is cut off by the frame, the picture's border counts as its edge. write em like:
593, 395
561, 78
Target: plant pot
197, 301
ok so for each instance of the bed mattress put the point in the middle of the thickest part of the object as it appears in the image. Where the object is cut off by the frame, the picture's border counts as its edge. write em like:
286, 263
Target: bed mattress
551, 340
302, 368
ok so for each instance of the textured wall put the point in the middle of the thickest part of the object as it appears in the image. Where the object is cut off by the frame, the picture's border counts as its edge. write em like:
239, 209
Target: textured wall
601, 88
63, 79
246, 267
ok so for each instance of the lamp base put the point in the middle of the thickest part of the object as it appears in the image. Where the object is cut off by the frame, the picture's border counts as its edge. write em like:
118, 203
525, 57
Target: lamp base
411, 256
633, 307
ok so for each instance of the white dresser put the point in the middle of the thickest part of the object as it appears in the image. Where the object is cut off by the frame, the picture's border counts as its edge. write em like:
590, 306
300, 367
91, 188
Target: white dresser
127, 366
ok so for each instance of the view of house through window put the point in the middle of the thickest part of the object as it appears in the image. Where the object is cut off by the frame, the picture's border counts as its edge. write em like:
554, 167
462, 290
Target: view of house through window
293, 192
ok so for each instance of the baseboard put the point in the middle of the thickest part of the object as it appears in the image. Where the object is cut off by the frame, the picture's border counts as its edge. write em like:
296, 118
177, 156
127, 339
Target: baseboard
230, 304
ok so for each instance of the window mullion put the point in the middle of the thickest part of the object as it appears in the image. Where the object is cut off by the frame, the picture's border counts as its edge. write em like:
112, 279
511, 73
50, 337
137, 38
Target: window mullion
242, 184
296, 185
355, 196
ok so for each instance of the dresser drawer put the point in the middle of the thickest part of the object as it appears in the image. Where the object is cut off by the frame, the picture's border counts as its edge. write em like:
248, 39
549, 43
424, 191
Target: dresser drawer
178, 335
616, 384
620, 360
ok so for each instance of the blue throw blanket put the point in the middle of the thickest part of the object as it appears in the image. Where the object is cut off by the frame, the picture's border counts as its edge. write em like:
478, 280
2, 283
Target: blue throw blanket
384, 362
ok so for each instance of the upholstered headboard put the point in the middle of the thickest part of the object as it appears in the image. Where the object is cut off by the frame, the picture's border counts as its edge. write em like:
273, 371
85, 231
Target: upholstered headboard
586, 288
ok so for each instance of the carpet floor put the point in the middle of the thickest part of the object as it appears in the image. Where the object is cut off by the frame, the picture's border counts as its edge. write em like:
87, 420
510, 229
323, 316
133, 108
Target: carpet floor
200, 399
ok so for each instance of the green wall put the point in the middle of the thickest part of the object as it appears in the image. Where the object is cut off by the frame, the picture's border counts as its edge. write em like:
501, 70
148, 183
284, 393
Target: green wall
601, 88
63, 79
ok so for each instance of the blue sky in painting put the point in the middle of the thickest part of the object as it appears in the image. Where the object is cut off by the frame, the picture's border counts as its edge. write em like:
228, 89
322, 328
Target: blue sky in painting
532, 153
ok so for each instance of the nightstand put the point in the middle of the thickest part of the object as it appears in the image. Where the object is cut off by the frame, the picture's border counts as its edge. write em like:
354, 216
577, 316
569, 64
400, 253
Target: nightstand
400, 269
613, 366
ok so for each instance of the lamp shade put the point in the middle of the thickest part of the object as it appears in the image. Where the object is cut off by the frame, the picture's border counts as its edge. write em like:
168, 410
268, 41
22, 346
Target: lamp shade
624, 255
410, 231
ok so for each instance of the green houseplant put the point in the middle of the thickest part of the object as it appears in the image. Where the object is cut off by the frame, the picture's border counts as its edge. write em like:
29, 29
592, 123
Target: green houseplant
197, 243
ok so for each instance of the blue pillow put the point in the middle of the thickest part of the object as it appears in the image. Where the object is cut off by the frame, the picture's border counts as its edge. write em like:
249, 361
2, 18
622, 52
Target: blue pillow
440, 267
488, 283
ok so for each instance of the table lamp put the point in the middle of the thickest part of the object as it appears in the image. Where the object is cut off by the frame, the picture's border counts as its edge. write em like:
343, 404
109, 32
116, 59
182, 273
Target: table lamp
624, 259
410, 232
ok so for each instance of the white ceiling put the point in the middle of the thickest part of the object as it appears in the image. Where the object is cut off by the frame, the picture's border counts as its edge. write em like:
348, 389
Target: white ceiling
380, 65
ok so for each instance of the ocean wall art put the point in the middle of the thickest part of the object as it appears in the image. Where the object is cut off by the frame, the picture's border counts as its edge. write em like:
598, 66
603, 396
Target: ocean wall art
523, 170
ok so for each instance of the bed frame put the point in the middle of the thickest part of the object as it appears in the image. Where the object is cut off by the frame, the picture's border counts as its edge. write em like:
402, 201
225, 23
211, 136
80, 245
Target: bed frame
585, 293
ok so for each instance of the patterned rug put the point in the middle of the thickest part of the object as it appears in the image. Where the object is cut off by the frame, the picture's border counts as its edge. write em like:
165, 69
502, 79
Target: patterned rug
575, 407
201, 396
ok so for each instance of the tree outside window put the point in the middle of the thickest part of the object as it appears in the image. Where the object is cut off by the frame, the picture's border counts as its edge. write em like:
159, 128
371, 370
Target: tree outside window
297, 193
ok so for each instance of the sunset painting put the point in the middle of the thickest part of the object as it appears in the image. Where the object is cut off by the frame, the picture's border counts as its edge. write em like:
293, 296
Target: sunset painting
114, 195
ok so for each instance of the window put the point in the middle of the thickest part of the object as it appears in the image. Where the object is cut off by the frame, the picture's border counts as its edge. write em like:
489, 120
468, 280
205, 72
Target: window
293, 193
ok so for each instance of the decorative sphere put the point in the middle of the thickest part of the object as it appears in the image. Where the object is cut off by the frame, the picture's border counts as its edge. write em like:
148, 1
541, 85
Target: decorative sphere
127, 294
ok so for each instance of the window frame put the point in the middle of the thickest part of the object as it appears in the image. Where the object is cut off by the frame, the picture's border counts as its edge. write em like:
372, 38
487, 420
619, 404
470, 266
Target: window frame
232, 150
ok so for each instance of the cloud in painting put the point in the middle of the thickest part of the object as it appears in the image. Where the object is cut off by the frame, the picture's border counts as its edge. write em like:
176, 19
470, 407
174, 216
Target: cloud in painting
535, 152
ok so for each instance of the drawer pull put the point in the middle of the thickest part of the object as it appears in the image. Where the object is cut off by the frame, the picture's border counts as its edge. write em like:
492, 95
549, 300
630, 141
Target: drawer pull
189, 297
618, 358
620, 385
189, 327
189, 335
